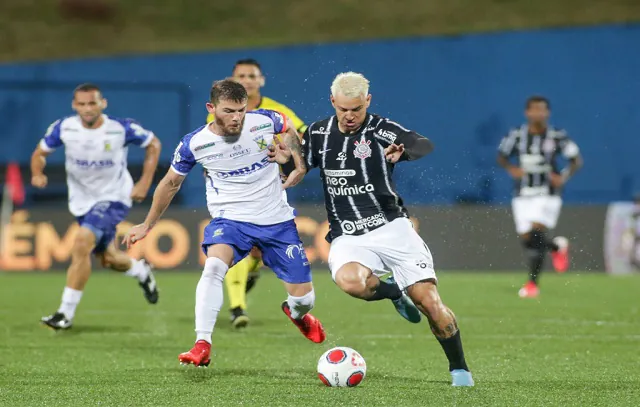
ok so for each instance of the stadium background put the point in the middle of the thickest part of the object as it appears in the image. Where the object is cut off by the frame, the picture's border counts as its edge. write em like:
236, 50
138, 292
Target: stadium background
463, 86
457, 70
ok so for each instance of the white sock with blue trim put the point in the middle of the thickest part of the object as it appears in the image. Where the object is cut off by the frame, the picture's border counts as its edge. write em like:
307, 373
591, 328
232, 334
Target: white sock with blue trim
209, 297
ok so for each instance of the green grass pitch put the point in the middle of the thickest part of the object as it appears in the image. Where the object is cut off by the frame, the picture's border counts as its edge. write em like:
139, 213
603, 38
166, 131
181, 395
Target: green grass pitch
578, 345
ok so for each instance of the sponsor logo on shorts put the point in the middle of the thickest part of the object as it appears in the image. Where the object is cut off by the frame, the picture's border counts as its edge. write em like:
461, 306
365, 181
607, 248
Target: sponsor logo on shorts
218, 232
423, 264
297, 249
350, 227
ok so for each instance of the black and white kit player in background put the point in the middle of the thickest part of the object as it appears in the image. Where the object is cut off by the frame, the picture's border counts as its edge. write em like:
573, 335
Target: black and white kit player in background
370, 232
538, 183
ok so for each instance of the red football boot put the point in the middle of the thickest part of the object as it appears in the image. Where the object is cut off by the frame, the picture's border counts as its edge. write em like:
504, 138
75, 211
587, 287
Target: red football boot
529, 290
561, 257
198, 355
310, 326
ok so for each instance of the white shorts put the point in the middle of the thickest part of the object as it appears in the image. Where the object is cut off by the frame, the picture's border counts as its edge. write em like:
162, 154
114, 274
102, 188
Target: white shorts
393, 248
528, 210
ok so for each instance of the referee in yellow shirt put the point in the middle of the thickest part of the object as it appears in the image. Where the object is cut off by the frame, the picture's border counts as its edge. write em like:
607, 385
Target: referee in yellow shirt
242, 277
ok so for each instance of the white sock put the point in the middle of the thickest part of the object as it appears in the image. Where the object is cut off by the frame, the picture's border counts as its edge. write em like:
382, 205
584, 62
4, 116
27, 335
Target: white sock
209, 295
299, 306
70, 300
138, 270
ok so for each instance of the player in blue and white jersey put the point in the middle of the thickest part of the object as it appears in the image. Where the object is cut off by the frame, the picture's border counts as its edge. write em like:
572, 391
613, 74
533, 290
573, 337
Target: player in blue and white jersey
245, 200
101, 191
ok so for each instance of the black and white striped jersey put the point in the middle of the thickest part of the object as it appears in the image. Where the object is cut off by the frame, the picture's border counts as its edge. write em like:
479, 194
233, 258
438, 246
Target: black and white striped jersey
359, 191
537, 155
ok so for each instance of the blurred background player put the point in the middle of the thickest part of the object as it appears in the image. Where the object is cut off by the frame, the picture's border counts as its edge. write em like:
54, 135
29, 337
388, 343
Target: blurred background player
101, 191
242, 277
538, 186
244, 198
370, 231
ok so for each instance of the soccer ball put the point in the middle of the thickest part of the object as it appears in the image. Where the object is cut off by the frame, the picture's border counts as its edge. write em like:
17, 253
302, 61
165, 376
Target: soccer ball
341, 367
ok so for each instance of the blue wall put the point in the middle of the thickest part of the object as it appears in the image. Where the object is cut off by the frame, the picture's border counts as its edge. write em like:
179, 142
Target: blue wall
463, 92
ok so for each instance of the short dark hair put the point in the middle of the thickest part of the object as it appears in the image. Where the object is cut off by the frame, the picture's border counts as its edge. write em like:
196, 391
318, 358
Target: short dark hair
537, 99
248, 61
227, 89
86, 87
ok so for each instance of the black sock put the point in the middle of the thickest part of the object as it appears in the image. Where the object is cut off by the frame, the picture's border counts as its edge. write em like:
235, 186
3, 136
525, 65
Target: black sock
537, 247
542, 240
536, 261
385, 291
453, 349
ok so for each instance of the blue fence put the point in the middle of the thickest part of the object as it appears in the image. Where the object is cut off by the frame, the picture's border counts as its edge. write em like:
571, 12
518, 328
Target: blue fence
464, 92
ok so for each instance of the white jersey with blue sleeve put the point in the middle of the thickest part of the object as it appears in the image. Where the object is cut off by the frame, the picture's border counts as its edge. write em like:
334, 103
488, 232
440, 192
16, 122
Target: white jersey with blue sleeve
96, 159
241, 184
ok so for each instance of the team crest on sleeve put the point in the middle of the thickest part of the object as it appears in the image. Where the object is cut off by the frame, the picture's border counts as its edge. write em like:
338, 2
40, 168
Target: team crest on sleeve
362, 150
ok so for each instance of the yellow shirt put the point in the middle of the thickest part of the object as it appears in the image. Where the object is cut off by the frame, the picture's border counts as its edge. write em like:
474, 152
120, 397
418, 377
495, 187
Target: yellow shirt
268, 103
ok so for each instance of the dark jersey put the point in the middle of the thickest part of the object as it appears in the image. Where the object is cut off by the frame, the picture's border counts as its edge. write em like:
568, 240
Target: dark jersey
537, 155
359, 191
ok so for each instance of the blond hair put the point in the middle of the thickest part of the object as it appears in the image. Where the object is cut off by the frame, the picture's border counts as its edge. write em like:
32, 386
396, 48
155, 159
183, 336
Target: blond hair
350, 84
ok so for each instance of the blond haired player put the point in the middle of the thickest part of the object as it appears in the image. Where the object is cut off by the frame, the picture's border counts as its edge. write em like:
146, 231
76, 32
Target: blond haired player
242, 277
369, 227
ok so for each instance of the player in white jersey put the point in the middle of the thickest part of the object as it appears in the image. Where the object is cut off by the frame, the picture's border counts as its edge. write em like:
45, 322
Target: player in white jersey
101, 191
244, 197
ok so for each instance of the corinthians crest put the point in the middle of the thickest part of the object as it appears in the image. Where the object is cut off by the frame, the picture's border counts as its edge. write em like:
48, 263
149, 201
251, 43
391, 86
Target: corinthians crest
362, 149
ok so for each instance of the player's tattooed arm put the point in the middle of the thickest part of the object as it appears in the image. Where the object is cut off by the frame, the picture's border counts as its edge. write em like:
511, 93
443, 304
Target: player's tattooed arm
292, 140
294, 146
